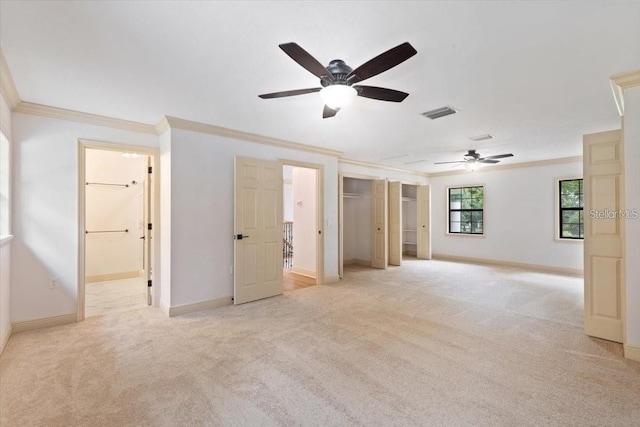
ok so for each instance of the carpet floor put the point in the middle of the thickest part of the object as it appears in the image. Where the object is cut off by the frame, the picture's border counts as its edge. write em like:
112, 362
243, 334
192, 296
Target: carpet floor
431, 343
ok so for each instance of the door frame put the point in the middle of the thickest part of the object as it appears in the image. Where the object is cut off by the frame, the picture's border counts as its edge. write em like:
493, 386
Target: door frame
154, 215
319, 212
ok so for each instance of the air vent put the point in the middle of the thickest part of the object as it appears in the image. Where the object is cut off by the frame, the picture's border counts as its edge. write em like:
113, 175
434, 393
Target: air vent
439, 112
482, 137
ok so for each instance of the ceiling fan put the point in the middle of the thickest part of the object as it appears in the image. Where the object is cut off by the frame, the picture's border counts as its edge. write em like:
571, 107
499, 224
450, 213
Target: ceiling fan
338, 79
473, 159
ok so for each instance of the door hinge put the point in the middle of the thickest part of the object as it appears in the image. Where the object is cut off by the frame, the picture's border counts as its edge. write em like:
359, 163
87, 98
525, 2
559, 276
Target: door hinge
150, 226
150, 169
149, 282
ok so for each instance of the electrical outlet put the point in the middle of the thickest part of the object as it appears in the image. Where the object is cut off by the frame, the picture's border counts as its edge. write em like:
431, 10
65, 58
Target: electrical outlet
54, 282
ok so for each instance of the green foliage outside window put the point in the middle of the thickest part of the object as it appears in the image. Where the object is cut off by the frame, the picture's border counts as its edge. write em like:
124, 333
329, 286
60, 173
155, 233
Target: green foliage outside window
571, 209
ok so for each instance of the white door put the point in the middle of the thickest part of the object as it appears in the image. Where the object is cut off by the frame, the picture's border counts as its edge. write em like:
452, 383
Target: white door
603, 235
258, 229
395, 223
379, 214
424, 222
340, 225
147, 231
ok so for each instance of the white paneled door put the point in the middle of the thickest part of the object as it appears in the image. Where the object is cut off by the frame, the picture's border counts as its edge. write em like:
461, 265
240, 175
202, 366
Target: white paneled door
603, 235
258, 229
380, 227
424, 222
395, 223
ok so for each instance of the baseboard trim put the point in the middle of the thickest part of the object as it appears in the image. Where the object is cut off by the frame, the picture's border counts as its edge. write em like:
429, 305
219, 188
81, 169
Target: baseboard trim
5, 339
199, 306
331, 279
112, 276
164, 307
631, 352
357, 261
45, 322
526, 266
303, 272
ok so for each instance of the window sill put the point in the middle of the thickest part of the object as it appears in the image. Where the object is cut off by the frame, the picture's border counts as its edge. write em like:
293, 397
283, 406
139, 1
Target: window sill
464, 234
559, 240
4, 240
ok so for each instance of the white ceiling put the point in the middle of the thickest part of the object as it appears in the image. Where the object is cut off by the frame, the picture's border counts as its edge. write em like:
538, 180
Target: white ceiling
534, 74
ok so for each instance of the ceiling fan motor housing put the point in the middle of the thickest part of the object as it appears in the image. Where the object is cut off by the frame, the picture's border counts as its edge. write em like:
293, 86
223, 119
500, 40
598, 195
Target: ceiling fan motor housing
471, 155
340, 70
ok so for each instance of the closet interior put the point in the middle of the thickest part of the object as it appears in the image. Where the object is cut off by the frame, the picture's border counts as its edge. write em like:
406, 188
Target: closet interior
409, 220
357, 228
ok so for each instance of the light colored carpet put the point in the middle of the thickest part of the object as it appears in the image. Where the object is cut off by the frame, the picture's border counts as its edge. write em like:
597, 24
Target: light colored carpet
429, 343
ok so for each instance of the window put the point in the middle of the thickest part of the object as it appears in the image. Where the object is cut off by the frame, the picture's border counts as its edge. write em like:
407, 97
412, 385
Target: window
571, 219
466, 210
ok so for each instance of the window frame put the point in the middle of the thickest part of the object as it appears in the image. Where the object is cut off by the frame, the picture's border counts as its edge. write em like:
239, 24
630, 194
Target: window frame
559, 209
448, 211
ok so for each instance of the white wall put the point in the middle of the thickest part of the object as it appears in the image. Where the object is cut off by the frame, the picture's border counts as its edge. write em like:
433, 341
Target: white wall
202, 177
165, 220
45, 210
519, 215
304, 221
632, 201
5, 251
111, 207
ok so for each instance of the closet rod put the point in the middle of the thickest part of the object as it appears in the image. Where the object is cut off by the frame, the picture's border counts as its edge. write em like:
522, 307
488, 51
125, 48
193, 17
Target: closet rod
104, 183
126, 230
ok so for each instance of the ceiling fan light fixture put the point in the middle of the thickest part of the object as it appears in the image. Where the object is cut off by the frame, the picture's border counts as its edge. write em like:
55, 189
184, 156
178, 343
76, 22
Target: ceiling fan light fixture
338, 96
471, 165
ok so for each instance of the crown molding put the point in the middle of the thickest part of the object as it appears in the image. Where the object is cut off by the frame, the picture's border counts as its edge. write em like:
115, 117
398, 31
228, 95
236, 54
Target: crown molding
78, 116
376, 166
7, 85
627, 80
621, 82
183, 124
162, 126
534, 164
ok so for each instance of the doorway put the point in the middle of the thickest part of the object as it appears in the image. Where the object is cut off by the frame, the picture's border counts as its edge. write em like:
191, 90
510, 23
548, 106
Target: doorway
301, 227
116, 210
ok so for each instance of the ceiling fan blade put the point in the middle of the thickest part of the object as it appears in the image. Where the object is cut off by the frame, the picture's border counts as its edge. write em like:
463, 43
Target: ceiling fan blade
328, 112
381, 93
382, 62
289, 93
307, 61
487, 161
499, 156
444, 163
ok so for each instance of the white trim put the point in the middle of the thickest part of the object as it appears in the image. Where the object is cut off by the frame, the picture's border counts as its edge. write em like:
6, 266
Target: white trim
534, 164
302, 272
526, 266
114, 276
4, 240
331, 279
357, 261
78, 116
45, 322
376, 166
162, 126
7, 85
179, 310
621, 82
631, 352
5, 339
175, 122
164, 307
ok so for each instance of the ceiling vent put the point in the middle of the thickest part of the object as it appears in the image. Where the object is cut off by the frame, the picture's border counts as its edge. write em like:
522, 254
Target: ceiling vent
482, 137
439, 112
